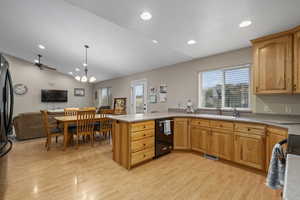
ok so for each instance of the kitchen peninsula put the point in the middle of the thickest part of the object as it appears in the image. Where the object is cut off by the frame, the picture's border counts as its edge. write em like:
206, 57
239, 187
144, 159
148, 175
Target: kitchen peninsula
245, 140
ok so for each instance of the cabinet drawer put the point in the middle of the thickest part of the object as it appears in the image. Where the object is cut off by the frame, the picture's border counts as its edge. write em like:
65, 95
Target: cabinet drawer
142, 156
222, 125
142, 144
140, 126
142, 134
200, 122
250, 128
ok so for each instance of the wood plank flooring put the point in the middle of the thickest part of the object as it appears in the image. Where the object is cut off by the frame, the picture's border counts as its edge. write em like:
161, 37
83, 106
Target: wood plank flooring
89, 173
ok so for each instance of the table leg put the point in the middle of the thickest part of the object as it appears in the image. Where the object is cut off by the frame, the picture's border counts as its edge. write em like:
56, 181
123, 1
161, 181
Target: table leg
65, 135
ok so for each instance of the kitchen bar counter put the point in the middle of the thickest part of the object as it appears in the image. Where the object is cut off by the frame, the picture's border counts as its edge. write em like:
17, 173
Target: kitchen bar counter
292, 178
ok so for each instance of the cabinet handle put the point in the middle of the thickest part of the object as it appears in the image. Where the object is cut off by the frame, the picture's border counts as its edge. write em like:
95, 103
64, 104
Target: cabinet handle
144, 144
144, 155
295, 87
249, 129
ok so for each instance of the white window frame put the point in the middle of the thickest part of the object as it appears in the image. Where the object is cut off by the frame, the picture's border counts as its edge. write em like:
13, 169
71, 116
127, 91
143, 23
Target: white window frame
100, 96
200, 88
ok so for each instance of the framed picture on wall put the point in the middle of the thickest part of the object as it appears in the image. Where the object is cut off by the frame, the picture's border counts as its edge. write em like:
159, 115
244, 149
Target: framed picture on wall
79, 92
120, 106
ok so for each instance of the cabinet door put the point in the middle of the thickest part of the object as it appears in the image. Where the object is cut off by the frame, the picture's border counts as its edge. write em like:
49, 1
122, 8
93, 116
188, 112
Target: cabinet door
249, 150
273, 66
221, 144
181, 134
274, 135
199, 138
297, 62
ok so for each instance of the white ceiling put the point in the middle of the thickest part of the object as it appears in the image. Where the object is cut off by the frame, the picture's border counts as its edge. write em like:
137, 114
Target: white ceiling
121, 43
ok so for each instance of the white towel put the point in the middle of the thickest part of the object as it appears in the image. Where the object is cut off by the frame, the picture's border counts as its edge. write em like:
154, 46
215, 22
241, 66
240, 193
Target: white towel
167, 127
275, 178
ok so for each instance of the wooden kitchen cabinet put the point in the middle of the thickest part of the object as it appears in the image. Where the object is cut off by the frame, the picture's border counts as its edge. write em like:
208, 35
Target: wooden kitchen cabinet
181, 134
249, 150
199, 138
221, 144
273, 66
274, 135
297, 61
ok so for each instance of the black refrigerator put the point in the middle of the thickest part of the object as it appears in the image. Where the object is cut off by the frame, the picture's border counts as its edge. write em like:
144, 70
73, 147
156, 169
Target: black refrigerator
6, 107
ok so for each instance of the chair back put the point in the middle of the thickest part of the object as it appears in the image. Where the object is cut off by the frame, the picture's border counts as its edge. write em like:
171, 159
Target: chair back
45, 121
71, 111
106, 111
88, 109
85, 121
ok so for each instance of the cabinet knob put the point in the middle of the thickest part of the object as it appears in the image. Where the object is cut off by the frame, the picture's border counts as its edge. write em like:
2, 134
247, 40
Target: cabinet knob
249, 129
144, 144
144, 155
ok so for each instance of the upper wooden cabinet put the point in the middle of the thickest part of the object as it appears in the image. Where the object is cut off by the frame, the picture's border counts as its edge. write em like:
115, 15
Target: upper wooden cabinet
272, 67
297, 61
181, 133
273, 64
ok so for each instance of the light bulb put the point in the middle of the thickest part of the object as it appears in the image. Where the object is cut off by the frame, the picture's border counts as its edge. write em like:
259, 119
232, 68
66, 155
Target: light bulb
92, 79
77, 78
84, 79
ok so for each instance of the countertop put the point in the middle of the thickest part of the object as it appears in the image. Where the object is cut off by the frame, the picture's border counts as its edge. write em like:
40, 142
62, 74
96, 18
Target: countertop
292, 178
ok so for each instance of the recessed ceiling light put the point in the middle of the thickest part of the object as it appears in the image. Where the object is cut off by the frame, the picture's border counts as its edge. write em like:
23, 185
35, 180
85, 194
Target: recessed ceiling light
191, 42
41, 46
77, 69
77, 78
146, 16
71, 73
155, 41
245, 23
36, 60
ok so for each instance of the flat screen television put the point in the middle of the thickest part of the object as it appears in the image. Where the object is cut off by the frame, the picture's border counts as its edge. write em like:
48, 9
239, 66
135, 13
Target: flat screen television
54, 95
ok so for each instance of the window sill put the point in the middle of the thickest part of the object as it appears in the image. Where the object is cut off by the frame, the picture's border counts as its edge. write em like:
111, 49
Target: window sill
246, 110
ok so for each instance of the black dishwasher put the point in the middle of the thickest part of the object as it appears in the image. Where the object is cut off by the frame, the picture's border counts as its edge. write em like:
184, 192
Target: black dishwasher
163, 139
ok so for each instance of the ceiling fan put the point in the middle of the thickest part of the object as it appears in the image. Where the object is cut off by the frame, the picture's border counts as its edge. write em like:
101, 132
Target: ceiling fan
42, 66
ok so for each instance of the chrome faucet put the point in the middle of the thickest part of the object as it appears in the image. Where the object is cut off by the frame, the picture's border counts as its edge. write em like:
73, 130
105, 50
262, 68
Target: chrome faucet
235, 113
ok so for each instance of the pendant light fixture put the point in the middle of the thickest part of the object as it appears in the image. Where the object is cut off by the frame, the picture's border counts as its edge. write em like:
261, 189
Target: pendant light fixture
85, 77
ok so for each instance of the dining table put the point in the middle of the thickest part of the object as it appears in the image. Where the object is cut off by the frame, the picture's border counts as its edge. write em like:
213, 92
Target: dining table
67, 120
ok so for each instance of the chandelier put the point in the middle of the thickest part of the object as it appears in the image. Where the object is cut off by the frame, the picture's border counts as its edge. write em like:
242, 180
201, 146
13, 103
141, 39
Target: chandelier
85, 78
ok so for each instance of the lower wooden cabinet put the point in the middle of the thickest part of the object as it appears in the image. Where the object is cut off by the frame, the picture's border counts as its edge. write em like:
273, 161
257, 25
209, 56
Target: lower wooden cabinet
221, 144
181, 133
249, 150
274, 135
199, 138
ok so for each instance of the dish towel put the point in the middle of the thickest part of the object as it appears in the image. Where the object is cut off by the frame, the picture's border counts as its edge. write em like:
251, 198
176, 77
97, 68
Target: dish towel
167, 127
275, 178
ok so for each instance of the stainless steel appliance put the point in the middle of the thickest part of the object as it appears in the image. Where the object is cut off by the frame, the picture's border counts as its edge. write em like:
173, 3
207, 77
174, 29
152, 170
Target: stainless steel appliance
163, 139
6, 107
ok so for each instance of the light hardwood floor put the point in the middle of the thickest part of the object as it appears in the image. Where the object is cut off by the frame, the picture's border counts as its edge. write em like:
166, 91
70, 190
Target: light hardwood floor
89, 173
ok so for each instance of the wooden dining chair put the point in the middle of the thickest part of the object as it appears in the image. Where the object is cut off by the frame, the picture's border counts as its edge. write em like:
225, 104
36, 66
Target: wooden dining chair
51, 130
89, 109
71, 111
103, 126
85, 124
106, 111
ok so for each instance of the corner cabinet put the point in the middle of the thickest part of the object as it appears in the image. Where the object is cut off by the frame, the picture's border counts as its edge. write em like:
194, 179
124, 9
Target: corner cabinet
297, 61
272, 69
181, 134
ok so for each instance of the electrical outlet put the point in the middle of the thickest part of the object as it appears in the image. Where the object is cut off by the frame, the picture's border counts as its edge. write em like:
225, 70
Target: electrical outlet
288, 108
267, 109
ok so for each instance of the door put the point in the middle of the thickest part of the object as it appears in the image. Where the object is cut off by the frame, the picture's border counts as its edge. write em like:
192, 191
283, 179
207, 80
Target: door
249, 150
199, 138
221, 144
273, 66
297, 62
181, 134
139, 96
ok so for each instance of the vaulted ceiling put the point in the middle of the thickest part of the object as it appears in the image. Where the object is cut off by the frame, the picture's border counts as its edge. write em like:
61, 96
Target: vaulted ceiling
121, 43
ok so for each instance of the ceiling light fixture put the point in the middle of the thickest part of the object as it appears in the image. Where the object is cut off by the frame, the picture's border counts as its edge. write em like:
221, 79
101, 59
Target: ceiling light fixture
71, 73
77, 69
85, 77
245, 23
36, 61
41, 46
146, 16
155, 41
191, 42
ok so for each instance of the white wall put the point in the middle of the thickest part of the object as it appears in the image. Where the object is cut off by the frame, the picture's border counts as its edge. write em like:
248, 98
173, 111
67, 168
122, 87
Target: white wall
182, 81
36, 79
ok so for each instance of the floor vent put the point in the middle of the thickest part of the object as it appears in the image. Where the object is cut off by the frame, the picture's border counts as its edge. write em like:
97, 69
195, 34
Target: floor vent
210, 157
